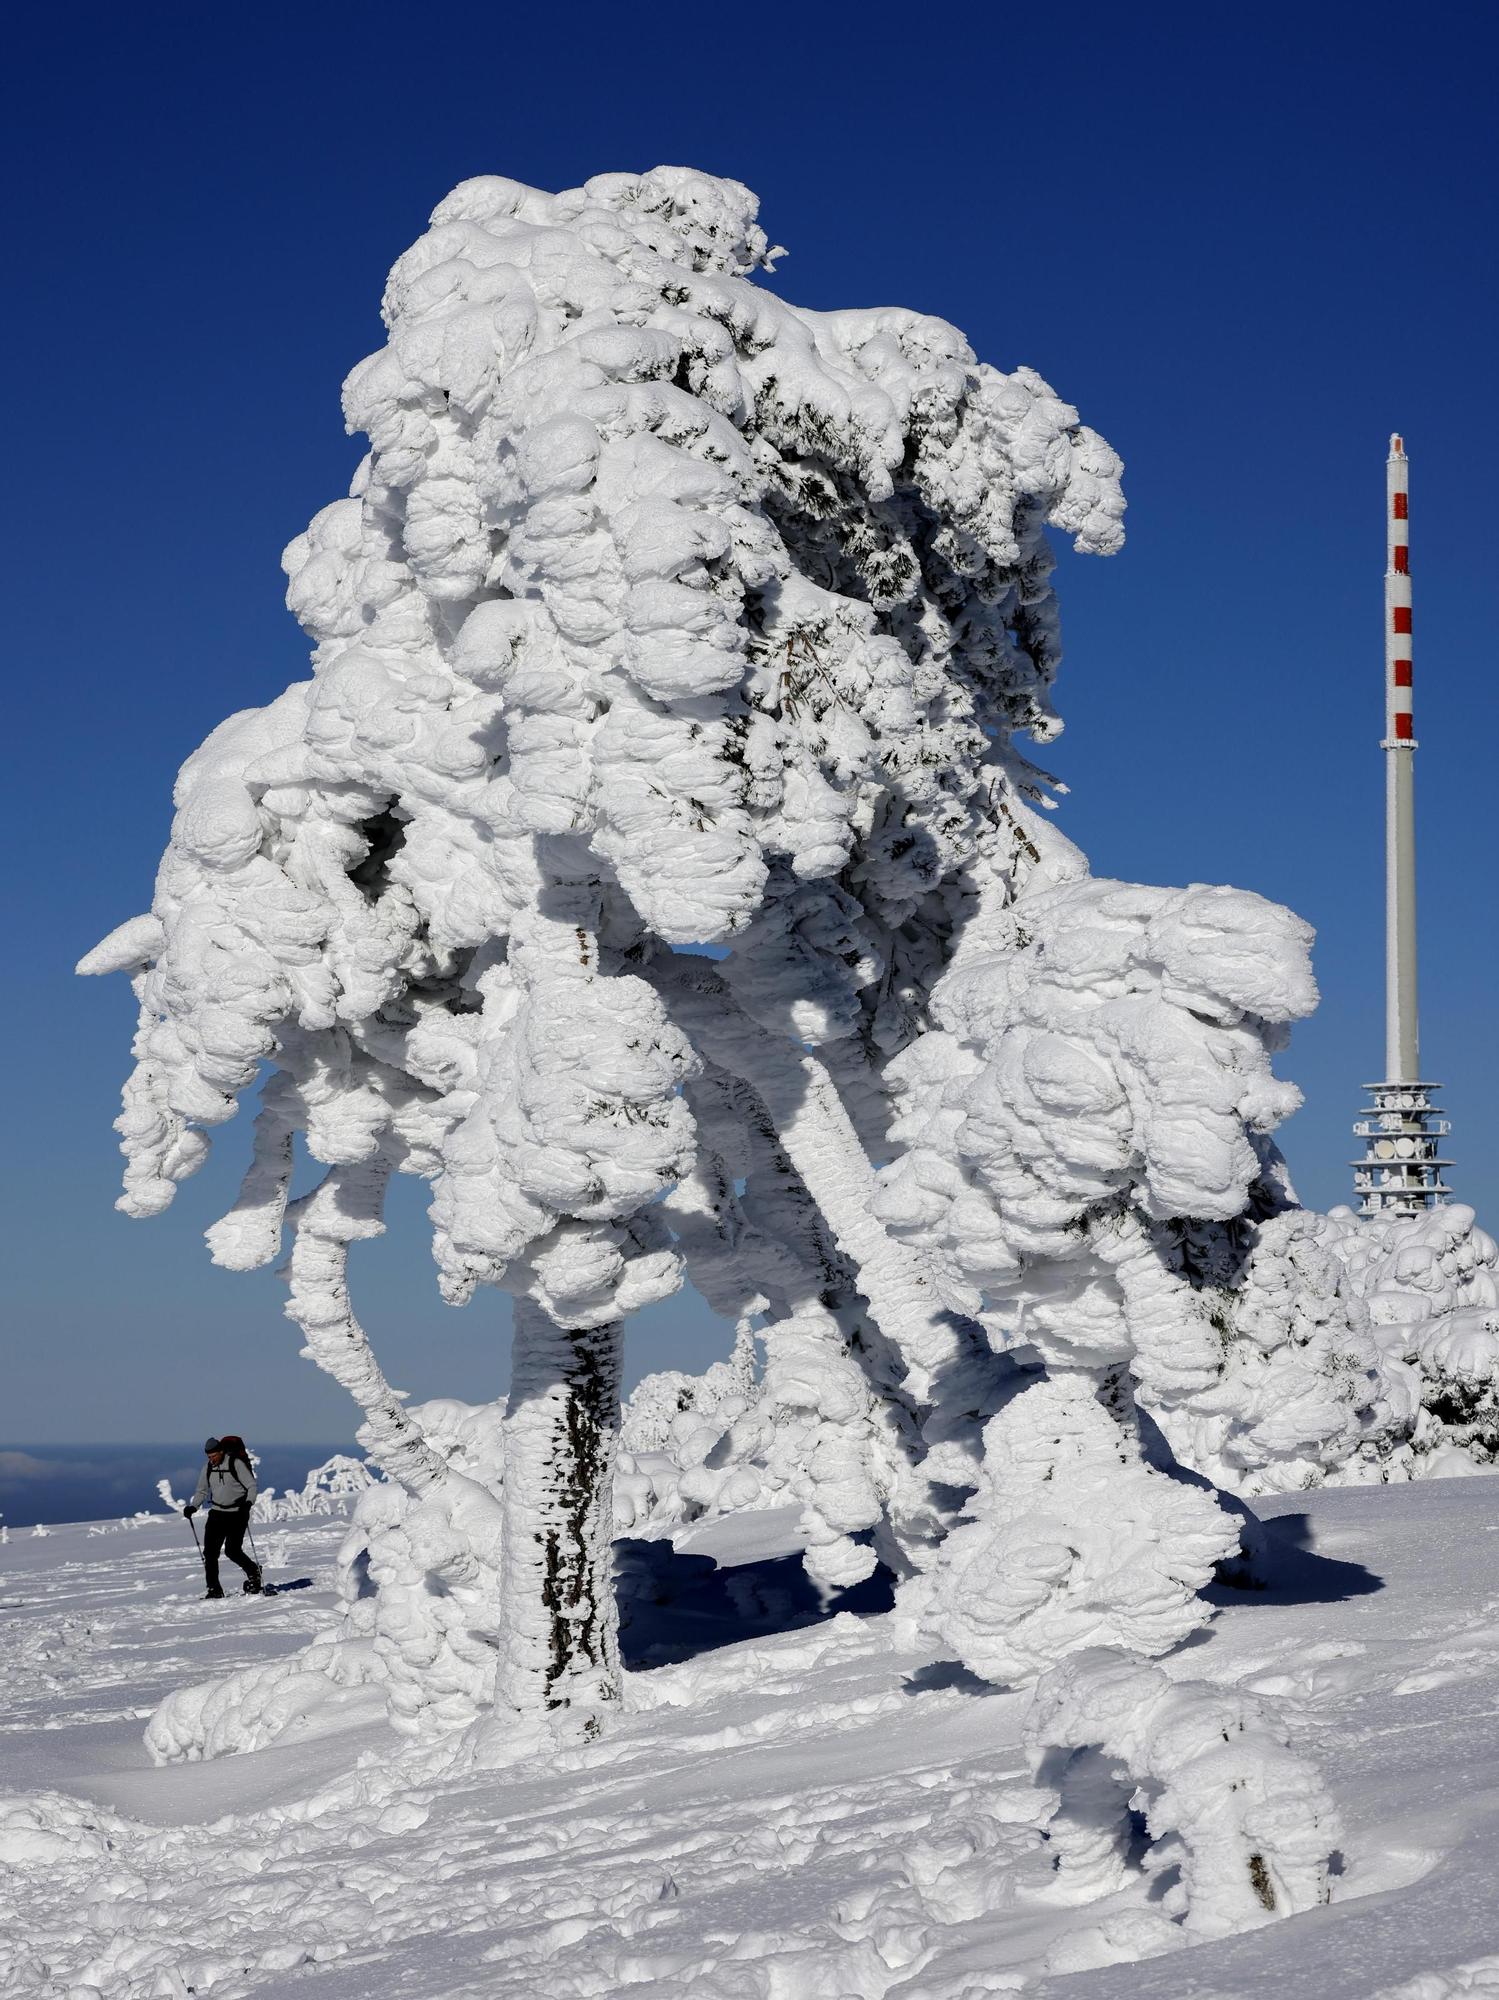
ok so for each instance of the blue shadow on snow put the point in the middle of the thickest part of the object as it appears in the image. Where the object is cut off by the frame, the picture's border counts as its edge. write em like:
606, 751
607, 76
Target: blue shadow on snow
673, 1606
1280, 1566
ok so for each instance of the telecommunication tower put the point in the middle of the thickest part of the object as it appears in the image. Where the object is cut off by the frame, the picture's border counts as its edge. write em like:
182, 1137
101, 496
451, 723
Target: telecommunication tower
1400, 1173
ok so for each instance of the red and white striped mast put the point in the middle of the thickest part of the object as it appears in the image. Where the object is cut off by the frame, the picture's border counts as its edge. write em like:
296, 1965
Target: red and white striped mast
1402, 1062
1400, 1173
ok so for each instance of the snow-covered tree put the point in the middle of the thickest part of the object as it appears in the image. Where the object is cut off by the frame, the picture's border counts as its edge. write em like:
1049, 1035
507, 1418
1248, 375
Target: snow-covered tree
651, 832
1430, 1285
661, 614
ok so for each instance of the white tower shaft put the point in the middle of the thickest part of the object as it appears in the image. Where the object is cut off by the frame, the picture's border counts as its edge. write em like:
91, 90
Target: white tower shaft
1402, 1036
1401, 1171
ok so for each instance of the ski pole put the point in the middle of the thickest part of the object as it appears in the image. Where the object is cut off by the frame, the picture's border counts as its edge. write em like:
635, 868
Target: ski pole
196, 1543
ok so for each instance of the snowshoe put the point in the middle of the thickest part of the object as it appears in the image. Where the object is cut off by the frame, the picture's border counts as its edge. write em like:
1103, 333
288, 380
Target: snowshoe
216, 1591
253, 1586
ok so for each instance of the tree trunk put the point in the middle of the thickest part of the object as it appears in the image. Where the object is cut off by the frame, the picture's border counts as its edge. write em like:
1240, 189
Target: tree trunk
559, 1641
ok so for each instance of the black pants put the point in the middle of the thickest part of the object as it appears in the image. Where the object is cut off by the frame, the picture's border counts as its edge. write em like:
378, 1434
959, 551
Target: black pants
227, 1532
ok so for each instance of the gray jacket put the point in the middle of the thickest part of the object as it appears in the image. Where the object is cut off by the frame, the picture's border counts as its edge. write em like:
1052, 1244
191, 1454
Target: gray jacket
226, 1486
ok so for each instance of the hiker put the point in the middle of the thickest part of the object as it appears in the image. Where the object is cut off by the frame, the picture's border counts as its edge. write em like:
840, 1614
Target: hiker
227, 1483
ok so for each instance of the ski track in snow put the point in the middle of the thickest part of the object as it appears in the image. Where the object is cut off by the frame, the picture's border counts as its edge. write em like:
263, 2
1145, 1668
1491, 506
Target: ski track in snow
808, 1816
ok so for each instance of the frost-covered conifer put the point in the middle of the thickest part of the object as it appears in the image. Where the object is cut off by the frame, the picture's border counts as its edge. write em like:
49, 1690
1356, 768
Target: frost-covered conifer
660, 614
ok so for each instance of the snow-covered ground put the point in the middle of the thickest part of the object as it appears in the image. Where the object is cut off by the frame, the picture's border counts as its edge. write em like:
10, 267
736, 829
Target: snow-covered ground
802, 1814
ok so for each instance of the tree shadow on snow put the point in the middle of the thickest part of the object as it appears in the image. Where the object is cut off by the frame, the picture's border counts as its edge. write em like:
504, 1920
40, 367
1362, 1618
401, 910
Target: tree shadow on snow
1280, 1566
673, 1606
946, 1677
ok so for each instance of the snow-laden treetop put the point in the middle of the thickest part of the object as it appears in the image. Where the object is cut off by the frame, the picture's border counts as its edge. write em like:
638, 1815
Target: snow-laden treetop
723, 598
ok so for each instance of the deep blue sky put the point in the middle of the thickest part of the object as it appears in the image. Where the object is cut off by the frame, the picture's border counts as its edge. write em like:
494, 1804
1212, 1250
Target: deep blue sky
1248, 243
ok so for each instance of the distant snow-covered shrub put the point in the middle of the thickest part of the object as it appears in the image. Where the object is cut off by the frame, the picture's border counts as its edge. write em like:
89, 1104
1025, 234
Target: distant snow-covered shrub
1353, 1349
1430, 1284
328, 1489
1305, 1392
670, 1425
